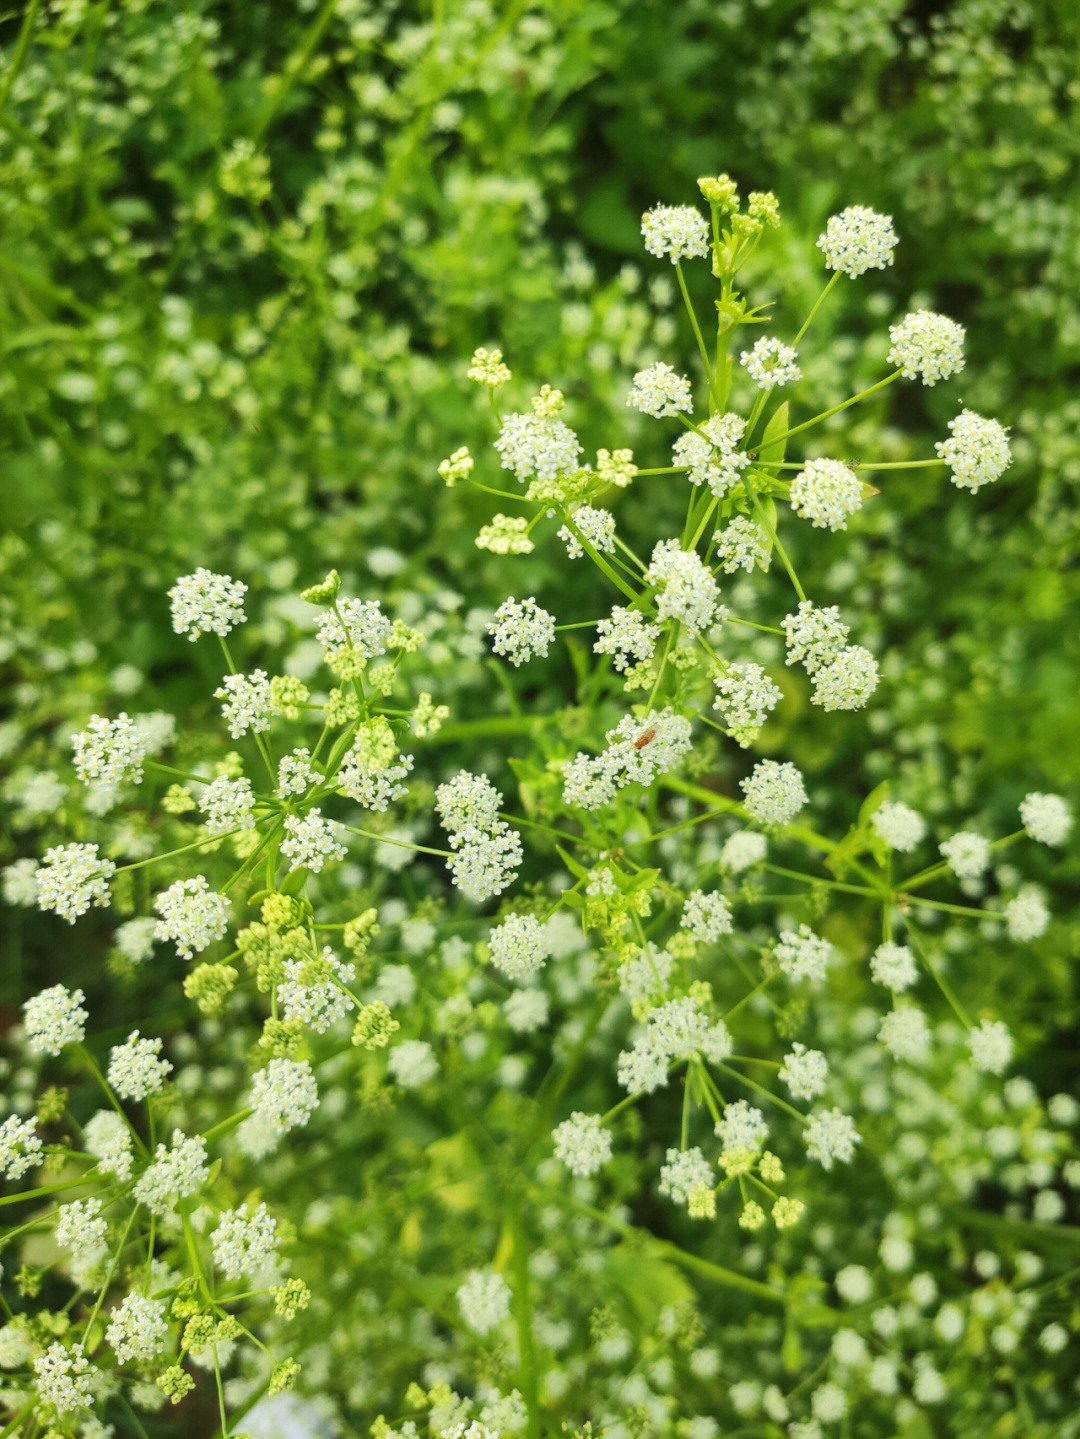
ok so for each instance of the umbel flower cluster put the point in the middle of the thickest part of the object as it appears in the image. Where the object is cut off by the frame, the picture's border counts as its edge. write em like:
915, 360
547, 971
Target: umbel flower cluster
381, 917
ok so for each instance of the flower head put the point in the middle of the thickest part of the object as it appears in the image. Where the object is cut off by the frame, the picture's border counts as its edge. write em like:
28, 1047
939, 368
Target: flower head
857, 240
204, 603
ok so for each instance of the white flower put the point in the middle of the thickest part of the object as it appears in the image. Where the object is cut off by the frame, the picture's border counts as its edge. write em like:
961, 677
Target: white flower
906, 1035
54, 1018
597, 526
174, 1174
898, 826
774, 792
245, 1243
108, 1139
137, 1328
192, 914
412, 1063
847, 681
685, 1171
285, 1094
19, 880
228, 804
717, 460
660, 391
20, 1147
135, 938
315, 992
829, 1136
82, 1228
484, 861
245, 702
928, 345
484, 1299
358, 626
893, 965
487, 368
707, 916
458, 467
814, 637
803, 955
745, 697
742, 849
977, 451
857, 240
204, 603
804, 1071
311, 840
538, 445
826, 492
582, 1144
65, 1378
741, 1127
111, 751
678, 231
968, 854
466, 801
295, 773
1046, 817
134, 1068
742, 545
627, 636
71, 878
521, 629
686, 589
770, 363
1026, 916
519, 946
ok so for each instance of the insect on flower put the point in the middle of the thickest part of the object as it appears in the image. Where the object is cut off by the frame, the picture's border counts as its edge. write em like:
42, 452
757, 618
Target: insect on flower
643, 740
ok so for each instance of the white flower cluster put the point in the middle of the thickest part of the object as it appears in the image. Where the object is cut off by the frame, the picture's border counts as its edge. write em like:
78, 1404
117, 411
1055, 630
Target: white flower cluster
137, 1328
771, 363
660, 391
228, 804
678, 231
676, 1029
538, 444
742, 849
370, 784
991, 1047
830, 1136
295, 773
741, 1126
520, 629
847, 681
893, 965
596, 525
204, 603
111, 751
803, 954
857, 240
967, 854
53, 1019
898, 826
745, 697
285, 1093
71, 878
486, 851
582, 1143
685, 1171
637, 751
484, 1299
356, 625
245, 702
686, 590
627, 636
192, 914
1046, 817
20, 1147
65, 1378
813, 636
245, 1243
108, 1139
311, 840
82, 1228
519, 946
826, 492
804, 1071
487, 368
742, 545
977, 450
715, 461
459, 466
313, 992
706, 915
845, 676
174, 1174
412, 1063
774, 792
135, 1071
927, 344
1026, 916
906, 1035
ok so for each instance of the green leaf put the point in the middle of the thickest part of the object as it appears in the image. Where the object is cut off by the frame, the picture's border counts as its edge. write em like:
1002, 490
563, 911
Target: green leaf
771, 450
576, 869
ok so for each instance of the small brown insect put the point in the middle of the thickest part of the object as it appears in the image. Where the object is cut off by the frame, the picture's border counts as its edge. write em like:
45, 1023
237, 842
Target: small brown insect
643, 740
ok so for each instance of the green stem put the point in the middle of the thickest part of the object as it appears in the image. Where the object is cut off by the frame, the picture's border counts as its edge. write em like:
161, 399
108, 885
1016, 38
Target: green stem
709, 375
817, 305
797, 429
770, 530
946, 989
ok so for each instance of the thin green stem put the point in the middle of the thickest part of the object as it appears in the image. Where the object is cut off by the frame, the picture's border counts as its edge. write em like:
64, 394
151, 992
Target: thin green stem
703, 350
817, 305
806, 424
